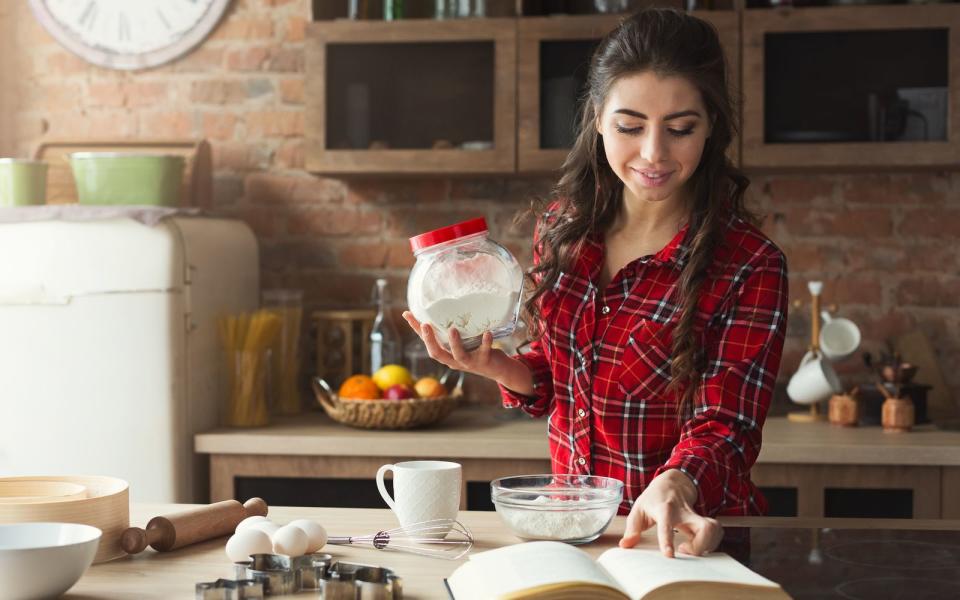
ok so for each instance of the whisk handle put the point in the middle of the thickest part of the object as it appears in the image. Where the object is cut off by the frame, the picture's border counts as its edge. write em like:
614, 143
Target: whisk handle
337, 540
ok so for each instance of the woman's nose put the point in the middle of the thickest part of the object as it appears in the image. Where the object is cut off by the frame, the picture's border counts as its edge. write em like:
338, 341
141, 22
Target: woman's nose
653, 146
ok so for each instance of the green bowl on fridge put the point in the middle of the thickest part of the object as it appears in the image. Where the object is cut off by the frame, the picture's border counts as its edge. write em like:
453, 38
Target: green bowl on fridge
120, 178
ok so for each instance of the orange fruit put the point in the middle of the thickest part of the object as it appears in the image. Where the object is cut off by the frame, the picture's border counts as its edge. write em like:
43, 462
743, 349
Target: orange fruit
359, 387
428, 387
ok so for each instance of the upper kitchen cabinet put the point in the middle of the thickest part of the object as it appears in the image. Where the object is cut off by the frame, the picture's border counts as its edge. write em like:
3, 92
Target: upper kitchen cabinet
411, 96
553, 60
843, 87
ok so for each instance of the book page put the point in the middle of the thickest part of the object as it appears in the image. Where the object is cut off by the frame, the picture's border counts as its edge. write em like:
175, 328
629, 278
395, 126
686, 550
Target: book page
532, 564
640, 571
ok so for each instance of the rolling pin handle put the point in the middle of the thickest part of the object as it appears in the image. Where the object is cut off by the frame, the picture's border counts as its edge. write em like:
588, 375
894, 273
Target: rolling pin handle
135, 540
255, 507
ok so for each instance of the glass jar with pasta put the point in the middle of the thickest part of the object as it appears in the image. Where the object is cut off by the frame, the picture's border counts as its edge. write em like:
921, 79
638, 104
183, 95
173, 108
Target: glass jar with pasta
247, 339
284, 384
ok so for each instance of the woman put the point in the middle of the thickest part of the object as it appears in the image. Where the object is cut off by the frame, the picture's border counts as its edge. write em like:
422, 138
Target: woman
659, 307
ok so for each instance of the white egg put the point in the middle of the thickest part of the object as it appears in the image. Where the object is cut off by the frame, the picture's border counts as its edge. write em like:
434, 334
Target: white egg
268, 527
246, 542
316, 534
250, 521
290, 540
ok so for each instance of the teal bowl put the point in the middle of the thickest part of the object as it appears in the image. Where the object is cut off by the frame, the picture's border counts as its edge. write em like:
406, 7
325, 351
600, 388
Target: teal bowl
117, 178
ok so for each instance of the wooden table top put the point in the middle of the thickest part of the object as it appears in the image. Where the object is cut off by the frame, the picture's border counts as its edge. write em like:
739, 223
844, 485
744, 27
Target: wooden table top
173, 575
501, 434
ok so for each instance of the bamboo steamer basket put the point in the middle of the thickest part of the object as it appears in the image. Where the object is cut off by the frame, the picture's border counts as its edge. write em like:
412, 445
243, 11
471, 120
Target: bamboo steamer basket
103, 503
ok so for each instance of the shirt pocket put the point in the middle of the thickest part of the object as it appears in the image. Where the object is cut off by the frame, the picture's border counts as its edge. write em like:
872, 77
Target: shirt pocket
644, 374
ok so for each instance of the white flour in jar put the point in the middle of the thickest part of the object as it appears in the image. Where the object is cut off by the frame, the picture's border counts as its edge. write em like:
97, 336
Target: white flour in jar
561, 524
473, 312
475, 296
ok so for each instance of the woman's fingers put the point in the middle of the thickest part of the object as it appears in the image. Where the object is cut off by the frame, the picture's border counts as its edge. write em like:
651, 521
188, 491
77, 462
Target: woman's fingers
434, 349
482, 354
412, 322
665, 534
637, 523
705, 535
456, 346
457, 357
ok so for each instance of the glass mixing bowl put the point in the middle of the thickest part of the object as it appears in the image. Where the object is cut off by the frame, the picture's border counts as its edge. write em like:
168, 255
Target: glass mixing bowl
568, 508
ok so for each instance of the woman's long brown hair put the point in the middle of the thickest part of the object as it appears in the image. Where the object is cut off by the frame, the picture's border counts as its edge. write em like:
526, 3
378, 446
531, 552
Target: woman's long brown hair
589, 196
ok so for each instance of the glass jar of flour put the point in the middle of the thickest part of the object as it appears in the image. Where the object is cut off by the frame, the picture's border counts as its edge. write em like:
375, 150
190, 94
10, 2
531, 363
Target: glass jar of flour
463, 279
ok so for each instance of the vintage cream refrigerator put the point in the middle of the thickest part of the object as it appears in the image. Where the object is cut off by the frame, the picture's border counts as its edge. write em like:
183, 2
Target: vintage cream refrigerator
109, 355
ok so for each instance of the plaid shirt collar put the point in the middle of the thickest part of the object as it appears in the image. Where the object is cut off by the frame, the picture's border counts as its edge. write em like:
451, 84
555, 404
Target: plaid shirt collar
675, 253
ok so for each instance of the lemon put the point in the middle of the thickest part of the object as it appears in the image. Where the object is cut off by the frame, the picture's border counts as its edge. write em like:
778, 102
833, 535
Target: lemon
390, 375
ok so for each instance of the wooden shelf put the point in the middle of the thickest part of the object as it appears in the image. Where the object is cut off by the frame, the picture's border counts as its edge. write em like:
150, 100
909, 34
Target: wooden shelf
758, 24
421, 40
501, 96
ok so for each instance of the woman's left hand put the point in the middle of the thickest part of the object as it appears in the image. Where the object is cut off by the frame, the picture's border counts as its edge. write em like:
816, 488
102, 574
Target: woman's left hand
668, 503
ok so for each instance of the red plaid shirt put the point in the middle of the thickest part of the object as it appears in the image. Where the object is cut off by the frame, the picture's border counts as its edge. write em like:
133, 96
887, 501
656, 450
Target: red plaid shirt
602, 368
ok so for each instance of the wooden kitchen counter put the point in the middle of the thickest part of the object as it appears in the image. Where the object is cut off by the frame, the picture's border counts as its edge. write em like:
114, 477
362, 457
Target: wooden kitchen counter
491, 443
173, 575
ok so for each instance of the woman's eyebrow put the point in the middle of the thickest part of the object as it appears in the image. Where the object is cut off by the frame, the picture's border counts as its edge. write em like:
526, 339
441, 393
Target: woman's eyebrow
671, 116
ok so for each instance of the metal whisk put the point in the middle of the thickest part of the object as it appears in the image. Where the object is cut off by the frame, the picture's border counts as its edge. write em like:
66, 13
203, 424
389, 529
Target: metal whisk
441, 538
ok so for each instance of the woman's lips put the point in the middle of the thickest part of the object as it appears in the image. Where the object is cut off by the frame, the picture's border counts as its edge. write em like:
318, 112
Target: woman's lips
653, 178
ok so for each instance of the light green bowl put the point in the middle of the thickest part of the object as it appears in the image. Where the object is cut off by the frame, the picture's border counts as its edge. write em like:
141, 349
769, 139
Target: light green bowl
124, 178
22, 182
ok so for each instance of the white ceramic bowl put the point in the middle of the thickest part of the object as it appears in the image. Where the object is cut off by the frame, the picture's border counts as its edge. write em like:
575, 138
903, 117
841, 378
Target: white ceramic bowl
568, 508
44, 560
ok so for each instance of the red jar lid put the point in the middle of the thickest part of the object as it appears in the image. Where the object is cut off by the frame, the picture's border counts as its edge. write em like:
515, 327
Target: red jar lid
445, 234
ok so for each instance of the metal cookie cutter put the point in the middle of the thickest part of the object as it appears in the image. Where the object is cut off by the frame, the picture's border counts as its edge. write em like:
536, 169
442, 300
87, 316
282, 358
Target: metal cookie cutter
229, 589
351, 581
282, 574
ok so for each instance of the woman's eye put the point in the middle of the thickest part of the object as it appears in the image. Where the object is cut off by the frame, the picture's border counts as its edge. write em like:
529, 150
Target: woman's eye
638, 130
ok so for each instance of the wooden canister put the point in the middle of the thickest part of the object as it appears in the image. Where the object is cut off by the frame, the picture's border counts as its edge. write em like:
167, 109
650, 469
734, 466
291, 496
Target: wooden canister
844, 410
897, 415
343, 343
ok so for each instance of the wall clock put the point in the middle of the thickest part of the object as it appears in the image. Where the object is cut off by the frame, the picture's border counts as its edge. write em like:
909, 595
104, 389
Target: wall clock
129, 34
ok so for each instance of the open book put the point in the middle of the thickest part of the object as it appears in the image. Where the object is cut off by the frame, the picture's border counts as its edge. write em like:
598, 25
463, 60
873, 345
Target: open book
554, 570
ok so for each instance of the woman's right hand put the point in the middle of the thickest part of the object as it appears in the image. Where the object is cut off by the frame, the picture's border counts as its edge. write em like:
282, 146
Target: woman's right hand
483, 361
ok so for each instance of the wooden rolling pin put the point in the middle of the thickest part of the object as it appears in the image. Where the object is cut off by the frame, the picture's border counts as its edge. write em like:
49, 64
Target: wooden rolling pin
165, 533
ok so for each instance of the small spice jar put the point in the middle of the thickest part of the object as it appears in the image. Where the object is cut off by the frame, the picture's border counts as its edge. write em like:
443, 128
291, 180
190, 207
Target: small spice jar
844, 409
897, 415
465, 280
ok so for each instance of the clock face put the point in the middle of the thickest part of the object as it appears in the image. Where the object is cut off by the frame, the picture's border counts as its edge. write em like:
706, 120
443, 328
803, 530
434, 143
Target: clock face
129, 34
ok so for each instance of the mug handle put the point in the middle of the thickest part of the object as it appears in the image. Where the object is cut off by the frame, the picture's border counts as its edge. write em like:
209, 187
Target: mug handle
383, 490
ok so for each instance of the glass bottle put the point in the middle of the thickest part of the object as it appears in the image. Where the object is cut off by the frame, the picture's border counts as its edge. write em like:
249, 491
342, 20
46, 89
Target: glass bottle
385, 345
393, 10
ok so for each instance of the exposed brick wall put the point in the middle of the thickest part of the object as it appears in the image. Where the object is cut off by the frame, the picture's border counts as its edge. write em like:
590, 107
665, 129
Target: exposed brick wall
885, 244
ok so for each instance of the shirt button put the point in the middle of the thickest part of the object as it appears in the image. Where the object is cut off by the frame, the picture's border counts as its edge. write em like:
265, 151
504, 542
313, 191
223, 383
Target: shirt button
581, 461
582, 413
605, 310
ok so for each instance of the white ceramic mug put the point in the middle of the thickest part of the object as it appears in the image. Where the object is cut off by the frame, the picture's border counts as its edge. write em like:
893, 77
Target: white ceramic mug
814, 381
423, 490
839, 338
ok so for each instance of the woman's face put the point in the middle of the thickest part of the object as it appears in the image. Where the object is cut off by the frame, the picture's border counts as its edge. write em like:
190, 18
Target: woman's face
654, 129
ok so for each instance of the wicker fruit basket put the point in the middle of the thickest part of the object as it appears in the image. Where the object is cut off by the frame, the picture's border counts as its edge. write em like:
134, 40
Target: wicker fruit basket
387, 414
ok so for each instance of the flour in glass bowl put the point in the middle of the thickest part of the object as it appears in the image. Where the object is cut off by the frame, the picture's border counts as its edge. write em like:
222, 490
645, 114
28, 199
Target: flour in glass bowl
570, 524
